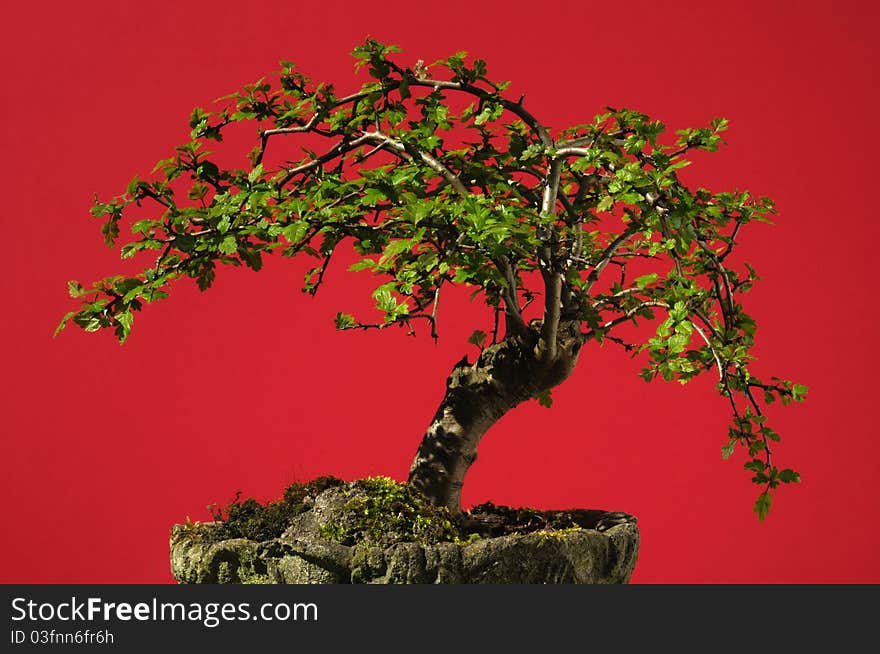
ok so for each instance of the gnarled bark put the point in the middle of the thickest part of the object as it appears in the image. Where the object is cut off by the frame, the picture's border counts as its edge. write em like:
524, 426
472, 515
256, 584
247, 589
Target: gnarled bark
477, 395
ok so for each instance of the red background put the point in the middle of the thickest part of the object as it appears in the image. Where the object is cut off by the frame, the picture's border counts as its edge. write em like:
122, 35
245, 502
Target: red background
248, 387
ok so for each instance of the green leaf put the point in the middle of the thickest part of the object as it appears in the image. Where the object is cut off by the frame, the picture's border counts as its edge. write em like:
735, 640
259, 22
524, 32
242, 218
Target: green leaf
99, 209
75, 288
719, 124
372, 197
132, 293
228, 245
478, 338
197, 191
384, 300
143, 226
677, 343
755, 465
395, 248
253, 259
124, 321
197, 116
644, 280
634, 144
87, 321
762, 505
490, 112
678, 311
665, 328
133, 186
605, 204
344, 321
205, 276
789, 476
295, 231
63, 323
545, 399
727, 450
256, 173
770, 434
363, 264
110, 230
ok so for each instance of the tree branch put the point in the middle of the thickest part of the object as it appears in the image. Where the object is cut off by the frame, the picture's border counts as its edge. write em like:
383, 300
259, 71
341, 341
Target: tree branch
265, 134
435, 164
434, 307
552, 310
629, 314
608, 255
732, 242
552, 277
514, 322
340, 148
402, 321
514, 107
711, 347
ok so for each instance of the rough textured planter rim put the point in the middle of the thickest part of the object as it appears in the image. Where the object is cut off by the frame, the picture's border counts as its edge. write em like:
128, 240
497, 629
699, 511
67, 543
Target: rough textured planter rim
604, 554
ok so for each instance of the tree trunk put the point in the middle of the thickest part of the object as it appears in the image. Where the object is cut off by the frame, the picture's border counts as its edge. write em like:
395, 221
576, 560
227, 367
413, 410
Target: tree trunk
477, 395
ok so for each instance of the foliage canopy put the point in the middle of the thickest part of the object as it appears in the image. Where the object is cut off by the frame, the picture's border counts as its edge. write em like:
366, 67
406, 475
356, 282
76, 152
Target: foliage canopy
436, 178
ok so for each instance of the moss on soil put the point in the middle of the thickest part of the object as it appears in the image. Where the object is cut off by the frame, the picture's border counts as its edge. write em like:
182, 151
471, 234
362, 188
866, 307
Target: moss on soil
380, 512
258, 522
383, 511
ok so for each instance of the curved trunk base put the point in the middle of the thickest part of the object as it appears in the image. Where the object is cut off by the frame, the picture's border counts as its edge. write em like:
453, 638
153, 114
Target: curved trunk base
477, 395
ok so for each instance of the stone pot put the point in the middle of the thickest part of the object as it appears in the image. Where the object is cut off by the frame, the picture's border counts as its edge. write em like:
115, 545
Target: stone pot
327, 543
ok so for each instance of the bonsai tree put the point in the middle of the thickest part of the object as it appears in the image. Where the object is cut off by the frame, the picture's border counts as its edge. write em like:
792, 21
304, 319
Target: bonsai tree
435, 177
